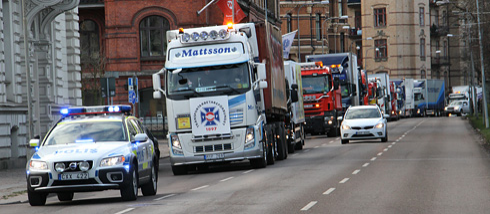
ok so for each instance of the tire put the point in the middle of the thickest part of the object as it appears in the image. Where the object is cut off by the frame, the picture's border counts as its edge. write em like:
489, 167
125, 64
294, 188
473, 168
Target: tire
281, 142
179, 170
260, 162
344, 141
385, 139
129, 192
299, 146
150, 188
271, 146
332, 132
65, 196
36, 199
291, 143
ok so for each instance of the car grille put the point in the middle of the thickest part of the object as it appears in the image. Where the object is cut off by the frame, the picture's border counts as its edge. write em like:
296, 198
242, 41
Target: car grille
74, 182
213, 148
77, 169
450, 109
359, 128
363, 135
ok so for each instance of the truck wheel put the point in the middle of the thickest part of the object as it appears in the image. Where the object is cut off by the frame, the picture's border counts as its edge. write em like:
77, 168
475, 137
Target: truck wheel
65, 196
36, 198
179, 170
270, 141
299, 146
150, 188
292, 142
129, 191
260, 162
281, 143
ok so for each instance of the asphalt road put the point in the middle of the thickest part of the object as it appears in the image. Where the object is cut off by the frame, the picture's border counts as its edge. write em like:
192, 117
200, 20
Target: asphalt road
428, 165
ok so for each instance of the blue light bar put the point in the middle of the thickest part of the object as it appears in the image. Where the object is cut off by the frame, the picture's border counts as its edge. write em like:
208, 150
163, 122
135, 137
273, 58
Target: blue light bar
86, 110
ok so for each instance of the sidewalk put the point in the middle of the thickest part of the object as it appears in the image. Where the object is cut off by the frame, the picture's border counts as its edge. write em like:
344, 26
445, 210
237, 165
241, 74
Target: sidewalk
13, 185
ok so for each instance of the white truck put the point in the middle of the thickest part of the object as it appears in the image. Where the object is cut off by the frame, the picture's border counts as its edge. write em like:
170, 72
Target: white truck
225, 93
296, 118
404, 88
383, 99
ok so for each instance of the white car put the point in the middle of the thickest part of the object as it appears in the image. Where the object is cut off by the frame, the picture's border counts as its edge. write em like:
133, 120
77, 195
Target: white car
363, 122
93, 149
458, 107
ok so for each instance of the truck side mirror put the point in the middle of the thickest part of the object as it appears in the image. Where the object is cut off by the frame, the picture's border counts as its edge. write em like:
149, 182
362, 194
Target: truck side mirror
354, 91
157, 86
294, 95
261, 72
336, 83
294, 86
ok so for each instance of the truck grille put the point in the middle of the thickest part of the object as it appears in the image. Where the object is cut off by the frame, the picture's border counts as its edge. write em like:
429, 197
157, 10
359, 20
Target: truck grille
213, 148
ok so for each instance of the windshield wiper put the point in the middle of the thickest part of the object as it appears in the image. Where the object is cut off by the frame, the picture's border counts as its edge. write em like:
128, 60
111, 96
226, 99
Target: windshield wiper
188, 89
227, 86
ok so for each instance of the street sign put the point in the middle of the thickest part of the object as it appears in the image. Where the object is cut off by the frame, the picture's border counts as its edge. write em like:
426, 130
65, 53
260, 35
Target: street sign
132, 97
133, 90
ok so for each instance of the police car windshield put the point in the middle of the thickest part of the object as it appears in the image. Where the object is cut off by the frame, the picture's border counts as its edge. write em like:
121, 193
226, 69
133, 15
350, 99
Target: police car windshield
228, 78
316, 84
87, 132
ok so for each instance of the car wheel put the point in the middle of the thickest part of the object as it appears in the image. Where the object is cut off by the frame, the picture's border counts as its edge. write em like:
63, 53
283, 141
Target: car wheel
129, 192
385, 139
65, 196
150, 188
36, 199
344, 141
179, 170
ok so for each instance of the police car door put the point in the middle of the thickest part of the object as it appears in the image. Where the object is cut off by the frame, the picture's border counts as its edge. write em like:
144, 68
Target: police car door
143, 152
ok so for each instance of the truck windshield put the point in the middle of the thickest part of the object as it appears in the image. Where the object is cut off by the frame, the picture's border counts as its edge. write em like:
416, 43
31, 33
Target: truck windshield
418, 97
223, 79
316, 84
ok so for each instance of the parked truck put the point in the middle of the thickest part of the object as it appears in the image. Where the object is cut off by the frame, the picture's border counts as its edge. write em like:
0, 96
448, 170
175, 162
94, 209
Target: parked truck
382, 81
429, 97
404, 90
226, 95
348, 74
295, 120
322, 99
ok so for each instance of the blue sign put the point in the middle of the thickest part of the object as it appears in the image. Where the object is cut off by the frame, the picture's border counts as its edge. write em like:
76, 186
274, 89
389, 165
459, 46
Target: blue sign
132, 97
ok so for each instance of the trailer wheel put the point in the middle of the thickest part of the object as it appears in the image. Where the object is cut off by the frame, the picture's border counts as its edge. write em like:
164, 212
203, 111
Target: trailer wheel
271, 150
281, 142
299, 146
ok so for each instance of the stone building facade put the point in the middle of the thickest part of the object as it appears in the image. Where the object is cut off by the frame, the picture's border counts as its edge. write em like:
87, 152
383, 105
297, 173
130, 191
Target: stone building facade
53, 56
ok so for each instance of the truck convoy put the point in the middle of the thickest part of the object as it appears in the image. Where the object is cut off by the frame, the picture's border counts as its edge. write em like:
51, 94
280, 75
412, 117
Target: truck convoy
225, 91
322, 99
296, 118
428, 97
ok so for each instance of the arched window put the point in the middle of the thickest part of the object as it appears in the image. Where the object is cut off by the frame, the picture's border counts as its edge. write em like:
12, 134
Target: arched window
153, 37
89, 40
422, 74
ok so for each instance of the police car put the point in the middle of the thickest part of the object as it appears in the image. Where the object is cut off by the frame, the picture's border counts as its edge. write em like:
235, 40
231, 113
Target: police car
93, 149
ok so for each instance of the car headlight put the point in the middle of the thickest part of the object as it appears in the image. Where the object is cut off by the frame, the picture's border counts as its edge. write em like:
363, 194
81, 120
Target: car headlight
456, 108
445, 108
345, 127
38, 165
379, 125
112, 161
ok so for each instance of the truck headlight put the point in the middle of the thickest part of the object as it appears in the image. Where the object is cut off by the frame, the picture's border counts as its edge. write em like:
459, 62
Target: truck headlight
345, 127
112, 161
445, 108
176, 141
379, 125
249, 138
38, 165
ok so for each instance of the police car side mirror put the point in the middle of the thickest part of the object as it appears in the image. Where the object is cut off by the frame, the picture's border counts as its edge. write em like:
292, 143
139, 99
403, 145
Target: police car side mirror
142, 137
34, 143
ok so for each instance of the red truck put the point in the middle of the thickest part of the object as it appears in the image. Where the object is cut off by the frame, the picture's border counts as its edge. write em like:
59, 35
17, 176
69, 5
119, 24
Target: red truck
322, 99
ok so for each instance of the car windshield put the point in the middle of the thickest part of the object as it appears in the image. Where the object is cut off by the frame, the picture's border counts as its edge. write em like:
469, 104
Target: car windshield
456, 103
86, 132
316, 84
362, 113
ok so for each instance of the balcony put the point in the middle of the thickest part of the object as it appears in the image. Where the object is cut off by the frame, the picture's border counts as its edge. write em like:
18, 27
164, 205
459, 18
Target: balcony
439, 61
354, 3
438, 31
355, 34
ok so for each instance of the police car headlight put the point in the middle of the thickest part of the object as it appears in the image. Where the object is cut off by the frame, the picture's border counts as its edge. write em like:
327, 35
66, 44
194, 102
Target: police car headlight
84, 166
38, 165
379, 125
60, 167
112, 161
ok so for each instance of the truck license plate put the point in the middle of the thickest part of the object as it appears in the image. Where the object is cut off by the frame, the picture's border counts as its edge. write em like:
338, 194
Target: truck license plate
73, 176
214, 156
308, 106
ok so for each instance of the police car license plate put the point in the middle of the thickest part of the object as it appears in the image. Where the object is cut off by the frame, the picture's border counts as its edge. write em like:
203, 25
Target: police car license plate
73, 176
214, 156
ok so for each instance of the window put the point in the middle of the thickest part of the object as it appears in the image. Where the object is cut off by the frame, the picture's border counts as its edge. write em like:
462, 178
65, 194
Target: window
381, 49
379, 17
342, 42
444, 18
422, 16
318, 27
422, 74
445, 50
341, 11
422, 49
153, 36
89, 41
358, 20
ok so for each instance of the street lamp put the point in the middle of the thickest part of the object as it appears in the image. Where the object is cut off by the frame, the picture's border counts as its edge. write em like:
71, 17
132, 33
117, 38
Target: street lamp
299, 36
323, 27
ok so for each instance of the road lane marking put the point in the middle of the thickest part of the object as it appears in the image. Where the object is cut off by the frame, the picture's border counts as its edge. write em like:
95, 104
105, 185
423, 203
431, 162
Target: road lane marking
365, 165
249, 171
331, 141
329, 191
356, 171
201, 187
373, 159
324, 144
316, 147
393, 143
309, 205
337, 138
295, 154
343, 181
385, 150
164, 197
390, 146
379, 154
306, 150
125, 211
227, 179
397, 140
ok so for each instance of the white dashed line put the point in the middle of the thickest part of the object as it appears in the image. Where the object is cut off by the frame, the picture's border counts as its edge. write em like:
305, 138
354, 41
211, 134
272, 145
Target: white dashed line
125, 211
226, 179
331, 141
390, 146
249, 171
202, 187
343, 181
397, 140
309, 205
403, 136
373, 159
365, 165
316, 147
295, 154
324, 144
385, 150
393, 143
381, 153
164, 197
337, 138
329, 191
306, 150
356, 171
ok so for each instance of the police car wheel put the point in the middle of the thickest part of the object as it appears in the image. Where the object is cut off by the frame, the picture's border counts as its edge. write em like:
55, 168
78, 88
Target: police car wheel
65, 196
151, 187
129, 192
36, 199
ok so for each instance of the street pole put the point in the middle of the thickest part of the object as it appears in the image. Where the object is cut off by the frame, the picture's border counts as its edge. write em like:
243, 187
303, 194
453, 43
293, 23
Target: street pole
28, 71
485, 108
299, 36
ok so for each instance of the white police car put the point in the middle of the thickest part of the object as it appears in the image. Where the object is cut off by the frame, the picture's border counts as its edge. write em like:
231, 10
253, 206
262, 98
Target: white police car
92, 149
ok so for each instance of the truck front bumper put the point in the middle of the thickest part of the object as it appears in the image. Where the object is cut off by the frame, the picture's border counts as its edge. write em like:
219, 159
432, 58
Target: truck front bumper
229, 156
